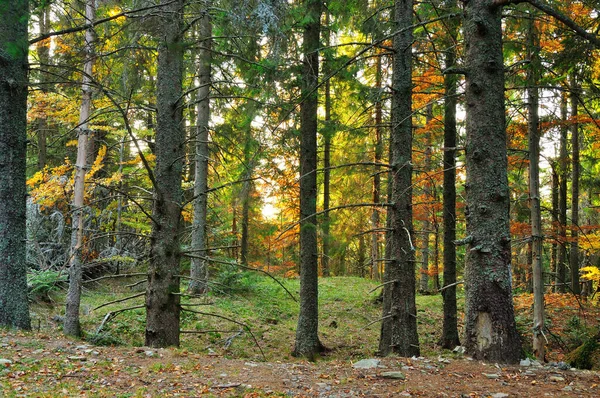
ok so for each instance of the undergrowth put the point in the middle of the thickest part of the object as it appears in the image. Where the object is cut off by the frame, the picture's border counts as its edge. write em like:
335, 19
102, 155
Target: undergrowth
258, 308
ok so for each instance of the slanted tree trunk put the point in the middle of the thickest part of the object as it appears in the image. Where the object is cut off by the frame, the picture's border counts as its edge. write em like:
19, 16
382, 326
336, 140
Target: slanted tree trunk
490, 329
399, 324
534, 190
327, 134
71, 324
561, 267
450, 337
574, 252
375, 217
307, 339
199, 267
14, 307
162, 305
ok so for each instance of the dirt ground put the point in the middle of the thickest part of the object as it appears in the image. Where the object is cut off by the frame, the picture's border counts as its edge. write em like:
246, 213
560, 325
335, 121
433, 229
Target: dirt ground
37, 365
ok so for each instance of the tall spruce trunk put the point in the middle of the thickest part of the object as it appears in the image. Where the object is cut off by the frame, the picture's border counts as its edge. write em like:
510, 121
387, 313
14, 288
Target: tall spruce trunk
199, 266
554, 250
71, 324
574, 251
450, 337
399, 324
375, 216
327, 135
162, 302
428, 191
490, 329
561, 266
307, 339
534, 189
14, 307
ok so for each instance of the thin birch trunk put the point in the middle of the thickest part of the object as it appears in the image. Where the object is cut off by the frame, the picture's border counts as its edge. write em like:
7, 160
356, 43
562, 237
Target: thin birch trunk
72, 325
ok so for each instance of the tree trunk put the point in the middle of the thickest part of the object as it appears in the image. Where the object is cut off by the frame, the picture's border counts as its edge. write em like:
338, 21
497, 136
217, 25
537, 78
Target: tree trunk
199, 267
399, 325
327, 134
534, 190
307, 339
574, 252
72, 325
554, 252
162, 306
490, 329
561, 271
43, 54
14, 308
375, 217
450, 338
424, 282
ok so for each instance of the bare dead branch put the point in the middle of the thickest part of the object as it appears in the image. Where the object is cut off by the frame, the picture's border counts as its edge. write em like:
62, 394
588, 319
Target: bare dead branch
214, 260
119, 300
109, 316
115, 276
230, 320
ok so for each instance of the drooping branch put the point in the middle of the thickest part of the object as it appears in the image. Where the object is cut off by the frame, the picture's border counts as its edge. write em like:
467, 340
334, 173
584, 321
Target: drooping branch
214, 260
120, 300
93, 24
334, 208
542, 6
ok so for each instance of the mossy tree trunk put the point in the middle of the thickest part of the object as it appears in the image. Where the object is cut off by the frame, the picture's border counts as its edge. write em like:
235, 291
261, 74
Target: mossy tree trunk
307, 339
399, 324
162, 304
490, 328
14, 308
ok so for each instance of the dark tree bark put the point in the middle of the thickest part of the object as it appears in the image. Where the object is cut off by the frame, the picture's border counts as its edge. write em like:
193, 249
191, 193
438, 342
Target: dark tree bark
199, 267
71, 325
326, 162
561, 267
162, 306
399, 325
307, 339
375, 217
554, 250
450, 338
490, 329
14, 308
574, 251
428, 191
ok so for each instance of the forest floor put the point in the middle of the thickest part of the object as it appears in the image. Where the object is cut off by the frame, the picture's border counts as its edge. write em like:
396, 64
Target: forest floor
218, 360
